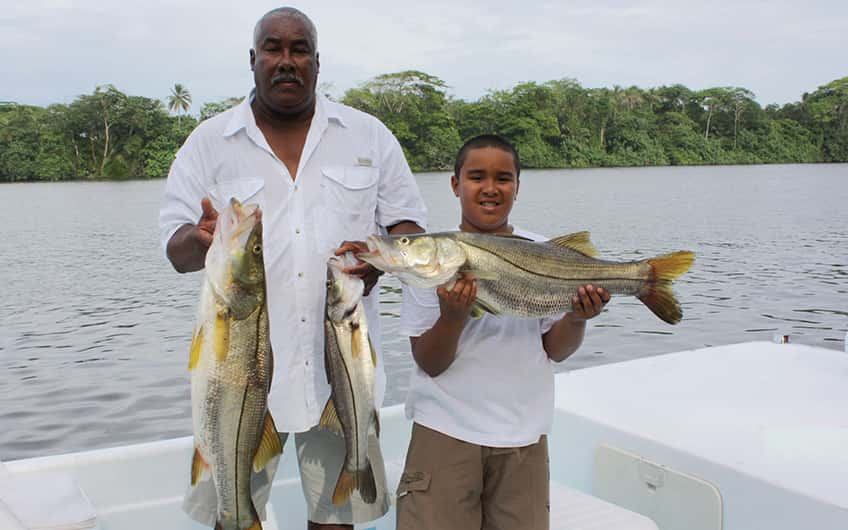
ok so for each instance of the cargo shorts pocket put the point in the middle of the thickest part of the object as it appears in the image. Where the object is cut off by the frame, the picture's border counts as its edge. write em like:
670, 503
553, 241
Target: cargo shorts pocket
414, 508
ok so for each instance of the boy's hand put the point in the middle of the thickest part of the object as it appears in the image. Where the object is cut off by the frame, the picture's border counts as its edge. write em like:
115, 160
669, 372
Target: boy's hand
587, 303
456, 304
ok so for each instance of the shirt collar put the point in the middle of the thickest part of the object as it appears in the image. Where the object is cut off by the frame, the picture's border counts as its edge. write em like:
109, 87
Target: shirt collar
325, 111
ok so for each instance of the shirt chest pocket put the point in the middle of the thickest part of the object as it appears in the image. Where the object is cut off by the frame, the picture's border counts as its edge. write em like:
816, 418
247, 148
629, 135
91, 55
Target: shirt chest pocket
349, 200
246, 191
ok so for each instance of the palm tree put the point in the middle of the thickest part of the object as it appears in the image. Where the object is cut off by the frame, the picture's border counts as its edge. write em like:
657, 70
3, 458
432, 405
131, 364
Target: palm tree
179, 100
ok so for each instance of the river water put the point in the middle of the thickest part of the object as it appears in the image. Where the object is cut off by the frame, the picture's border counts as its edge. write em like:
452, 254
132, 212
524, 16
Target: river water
95, 325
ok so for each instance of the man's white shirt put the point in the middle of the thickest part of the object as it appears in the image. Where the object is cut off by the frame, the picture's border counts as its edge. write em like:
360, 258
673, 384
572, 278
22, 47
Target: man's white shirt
499, 390
352, 181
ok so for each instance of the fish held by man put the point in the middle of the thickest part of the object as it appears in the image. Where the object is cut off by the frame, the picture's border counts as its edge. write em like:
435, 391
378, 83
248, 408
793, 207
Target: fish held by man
231, 365
350, 360
525, 278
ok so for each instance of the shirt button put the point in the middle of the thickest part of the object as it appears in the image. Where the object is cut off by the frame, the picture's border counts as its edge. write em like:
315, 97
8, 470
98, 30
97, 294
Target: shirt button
300, 275
297, 230
303, 319
307, 363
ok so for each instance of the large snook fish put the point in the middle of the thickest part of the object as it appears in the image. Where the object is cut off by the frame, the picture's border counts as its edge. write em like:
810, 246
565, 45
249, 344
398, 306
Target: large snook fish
349, 359
526, 278
231, 365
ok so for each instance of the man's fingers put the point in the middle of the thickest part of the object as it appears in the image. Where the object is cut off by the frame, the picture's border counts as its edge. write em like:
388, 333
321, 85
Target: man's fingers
209, 211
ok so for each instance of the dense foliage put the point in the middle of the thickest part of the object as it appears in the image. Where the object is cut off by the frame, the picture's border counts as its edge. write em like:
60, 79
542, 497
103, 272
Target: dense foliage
109, 134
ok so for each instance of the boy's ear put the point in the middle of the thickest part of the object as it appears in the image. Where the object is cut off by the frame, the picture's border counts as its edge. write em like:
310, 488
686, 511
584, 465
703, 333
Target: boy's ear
455, 185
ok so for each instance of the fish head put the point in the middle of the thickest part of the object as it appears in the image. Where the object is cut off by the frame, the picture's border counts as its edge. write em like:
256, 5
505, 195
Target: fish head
235, 256
420, 260
344, 291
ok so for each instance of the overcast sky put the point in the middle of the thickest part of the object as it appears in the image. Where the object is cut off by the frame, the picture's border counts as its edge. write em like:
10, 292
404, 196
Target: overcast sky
55, 50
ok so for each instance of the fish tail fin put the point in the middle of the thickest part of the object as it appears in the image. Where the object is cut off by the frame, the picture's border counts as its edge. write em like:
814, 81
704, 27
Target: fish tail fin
257, 525
344, 486
656, 294
367, 486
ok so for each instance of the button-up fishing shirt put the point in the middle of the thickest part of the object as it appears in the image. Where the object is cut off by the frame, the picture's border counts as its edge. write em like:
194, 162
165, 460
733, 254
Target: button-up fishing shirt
352, 180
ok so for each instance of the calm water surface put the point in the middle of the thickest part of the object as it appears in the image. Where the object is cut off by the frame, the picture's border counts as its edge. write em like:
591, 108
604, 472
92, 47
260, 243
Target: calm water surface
95, 325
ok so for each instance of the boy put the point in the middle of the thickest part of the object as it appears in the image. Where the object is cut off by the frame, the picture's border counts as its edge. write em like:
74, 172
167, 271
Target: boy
482, 395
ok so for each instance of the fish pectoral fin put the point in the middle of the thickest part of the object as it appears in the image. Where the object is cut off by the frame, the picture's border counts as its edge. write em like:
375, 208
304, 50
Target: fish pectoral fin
198, 465
481, 275
355, 341
221, 335
196, 348
578, 241
330, 418
269, 444
479, 307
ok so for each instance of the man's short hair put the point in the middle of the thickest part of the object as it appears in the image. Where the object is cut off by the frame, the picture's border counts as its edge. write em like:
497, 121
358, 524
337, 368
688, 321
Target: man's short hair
486, 140
289, 12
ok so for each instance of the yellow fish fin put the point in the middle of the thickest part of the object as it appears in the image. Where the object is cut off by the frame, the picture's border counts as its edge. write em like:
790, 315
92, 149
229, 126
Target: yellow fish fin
196, 348
479, 307
578, 241
330, 418
269, 444
355, 340
198, 465
222, 334
344, 487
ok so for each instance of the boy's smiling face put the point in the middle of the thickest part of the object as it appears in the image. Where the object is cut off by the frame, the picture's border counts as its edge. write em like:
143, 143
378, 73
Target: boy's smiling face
486, 187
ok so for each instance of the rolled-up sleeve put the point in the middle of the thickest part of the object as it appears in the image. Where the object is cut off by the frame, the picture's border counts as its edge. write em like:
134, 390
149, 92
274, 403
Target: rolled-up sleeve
184, 189
398, 196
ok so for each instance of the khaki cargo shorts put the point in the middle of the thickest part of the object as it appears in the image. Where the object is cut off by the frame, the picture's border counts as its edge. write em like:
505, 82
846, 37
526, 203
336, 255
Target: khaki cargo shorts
448, 484
320, 456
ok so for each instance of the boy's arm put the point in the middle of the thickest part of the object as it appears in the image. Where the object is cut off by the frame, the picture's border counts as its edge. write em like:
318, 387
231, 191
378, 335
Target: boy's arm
435, 349
566, 335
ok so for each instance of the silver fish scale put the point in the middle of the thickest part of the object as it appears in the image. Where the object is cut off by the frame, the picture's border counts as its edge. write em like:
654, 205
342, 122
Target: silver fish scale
546, 277
237, 396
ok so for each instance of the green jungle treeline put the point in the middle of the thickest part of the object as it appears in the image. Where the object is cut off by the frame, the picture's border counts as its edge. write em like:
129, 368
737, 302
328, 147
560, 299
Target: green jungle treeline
112, 135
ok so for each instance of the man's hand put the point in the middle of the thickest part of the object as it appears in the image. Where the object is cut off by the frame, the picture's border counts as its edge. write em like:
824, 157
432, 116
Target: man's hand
455, 305
587, 303
187, 247
366, 271
205, 227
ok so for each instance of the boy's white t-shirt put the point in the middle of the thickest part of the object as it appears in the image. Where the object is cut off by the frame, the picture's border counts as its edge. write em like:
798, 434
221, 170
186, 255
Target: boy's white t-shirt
499, 390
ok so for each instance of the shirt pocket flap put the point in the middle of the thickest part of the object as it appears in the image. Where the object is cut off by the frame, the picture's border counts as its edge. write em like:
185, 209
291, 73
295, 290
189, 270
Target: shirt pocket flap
243, 190
352, 177
413, 481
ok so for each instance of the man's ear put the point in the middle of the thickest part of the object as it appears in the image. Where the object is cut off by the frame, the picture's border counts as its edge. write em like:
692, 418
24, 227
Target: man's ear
455, 185
317, 62
252, 58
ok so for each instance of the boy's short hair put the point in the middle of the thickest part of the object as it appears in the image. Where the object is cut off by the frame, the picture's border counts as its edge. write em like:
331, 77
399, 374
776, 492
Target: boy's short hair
486, 140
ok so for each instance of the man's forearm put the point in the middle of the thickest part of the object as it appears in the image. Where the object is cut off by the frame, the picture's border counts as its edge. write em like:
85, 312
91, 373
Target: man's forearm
435, 350
186, 254
405, 227
564, 338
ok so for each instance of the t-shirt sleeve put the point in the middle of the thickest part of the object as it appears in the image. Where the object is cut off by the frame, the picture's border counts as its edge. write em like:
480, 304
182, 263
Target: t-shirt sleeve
419, 310
184, 189
398, 196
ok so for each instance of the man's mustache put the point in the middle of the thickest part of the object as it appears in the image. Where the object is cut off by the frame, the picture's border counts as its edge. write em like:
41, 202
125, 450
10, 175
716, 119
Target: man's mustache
287, 77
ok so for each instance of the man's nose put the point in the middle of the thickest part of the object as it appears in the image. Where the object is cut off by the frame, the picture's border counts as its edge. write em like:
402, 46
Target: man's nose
285, 62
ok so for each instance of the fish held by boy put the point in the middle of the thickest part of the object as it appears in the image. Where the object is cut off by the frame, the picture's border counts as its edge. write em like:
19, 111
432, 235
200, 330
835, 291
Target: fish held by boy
524, 278
231, 365
350, 360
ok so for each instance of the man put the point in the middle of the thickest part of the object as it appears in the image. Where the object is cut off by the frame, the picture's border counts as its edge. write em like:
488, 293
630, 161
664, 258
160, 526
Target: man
325, 176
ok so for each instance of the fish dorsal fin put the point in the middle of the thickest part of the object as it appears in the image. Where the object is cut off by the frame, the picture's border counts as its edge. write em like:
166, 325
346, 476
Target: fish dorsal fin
196, 348
330, 418
269, 444
221, 334
198, 465
578, 241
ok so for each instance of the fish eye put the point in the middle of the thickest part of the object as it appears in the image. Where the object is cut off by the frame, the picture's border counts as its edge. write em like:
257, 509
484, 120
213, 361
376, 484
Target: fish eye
257, 248
404, 241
